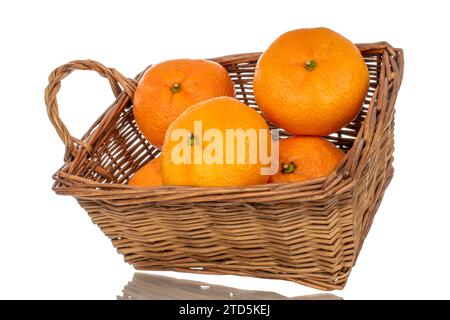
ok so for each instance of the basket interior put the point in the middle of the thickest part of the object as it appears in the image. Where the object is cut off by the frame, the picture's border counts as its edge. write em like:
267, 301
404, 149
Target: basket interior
122, 149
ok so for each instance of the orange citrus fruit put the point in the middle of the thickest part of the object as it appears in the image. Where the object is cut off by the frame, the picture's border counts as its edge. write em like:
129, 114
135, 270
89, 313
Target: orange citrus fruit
194, 158
304, 158
169, 88
311, 81
148, 175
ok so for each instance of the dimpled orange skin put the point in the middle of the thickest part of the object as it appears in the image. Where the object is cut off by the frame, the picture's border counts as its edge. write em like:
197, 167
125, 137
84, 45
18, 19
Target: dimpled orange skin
156, 104
313, 157
318, 101
220, 114
148, 176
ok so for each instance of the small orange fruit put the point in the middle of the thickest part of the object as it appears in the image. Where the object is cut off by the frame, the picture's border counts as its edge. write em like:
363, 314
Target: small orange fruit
169, 88
147, 176
216, 156
311, 81
304, 158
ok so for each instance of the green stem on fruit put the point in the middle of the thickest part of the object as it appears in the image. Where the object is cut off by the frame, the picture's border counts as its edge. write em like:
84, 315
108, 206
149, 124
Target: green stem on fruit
310, 65
287, 168
191, 139
175, 88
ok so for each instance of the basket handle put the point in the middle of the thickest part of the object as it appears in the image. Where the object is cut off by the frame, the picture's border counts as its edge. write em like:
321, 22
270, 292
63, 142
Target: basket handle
117, 81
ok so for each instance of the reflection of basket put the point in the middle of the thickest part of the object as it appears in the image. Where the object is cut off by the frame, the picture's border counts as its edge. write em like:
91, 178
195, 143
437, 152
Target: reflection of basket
309, 232
154, 287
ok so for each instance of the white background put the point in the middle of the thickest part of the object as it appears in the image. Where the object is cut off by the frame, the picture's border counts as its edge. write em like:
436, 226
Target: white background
48, 246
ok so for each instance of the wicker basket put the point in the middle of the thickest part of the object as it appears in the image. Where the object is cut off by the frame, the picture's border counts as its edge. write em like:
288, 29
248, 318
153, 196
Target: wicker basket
308, 232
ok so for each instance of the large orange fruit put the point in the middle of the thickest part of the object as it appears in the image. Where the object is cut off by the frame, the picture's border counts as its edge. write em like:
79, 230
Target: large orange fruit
147, 176
304, 158
170, 87
311, 81
202, 157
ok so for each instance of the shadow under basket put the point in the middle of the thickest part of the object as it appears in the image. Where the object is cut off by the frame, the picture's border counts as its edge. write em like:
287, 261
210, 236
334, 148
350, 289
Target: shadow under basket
308, 232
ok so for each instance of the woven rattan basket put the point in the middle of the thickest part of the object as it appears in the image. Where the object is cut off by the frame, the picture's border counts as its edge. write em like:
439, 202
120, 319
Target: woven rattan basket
308, 232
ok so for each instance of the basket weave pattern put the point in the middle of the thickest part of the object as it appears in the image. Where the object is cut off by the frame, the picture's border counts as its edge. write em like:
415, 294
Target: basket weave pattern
308, 232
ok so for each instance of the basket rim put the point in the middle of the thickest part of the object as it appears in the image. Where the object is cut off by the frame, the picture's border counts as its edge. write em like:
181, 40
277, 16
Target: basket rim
70, 184
309, 190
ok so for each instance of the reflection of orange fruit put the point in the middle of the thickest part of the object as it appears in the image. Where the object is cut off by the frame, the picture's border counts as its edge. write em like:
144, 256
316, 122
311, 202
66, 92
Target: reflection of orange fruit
148, 175
218, 167
170, 87
311, 81
304, 158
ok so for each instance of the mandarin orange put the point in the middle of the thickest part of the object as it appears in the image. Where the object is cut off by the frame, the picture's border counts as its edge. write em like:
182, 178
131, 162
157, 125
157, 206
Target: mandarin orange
311, 82
304, 158
148, 175
169, 88
205, 159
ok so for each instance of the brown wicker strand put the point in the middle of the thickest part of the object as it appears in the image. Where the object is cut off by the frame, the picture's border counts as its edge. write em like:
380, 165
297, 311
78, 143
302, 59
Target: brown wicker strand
116, 80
